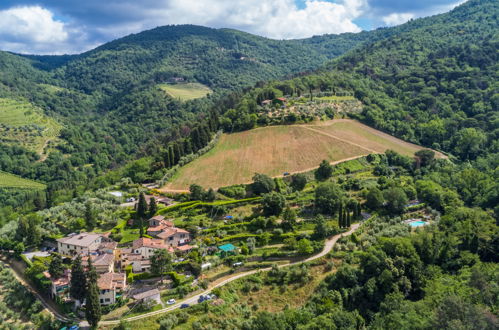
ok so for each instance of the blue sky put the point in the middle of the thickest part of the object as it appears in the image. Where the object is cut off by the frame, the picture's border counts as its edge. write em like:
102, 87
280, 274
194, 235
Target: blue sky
73, 26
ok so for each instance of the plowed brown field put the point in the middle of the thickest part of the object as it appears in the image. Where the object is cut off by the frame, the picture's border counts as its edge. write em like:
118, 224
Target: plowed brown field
276, 149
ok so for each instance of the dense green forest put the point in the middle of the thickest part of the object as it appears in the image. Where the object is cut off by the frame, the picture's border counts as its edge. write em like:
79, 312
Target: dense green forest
112, 110
432, 81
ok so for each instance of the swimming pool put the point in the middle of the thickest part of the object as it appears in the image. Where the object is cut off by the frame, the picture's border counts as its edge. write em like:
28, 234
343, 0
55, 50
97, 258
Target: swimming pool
418, 223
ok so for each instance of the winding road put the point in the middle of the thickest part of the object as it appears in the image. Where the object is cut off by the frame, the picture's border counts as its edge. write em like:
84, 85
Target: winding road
328, 246
47, 305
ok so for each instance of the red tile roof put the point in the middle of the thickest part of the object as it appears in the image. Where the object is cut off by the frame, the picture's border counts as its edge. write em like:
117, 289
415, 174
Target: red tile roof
149, 242
110, 281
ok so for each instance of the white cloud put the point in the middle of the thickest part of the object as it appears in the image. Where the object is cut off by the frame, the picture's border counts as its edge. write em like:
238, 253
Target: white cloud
33, 29
397, 18
280, 19
24, 28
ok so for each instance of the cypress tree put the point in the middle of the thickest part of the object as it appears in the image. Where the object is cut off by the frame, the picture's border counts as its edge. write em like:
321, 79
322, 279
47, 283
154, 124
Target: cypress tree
166, 159
141, 227
348, 222
90, 217
340, 215
78, 288
142, 206
195, 139
93, 311
153, 207
187, 146
204, 135
171, 153
176, 148
180, 146
55, 267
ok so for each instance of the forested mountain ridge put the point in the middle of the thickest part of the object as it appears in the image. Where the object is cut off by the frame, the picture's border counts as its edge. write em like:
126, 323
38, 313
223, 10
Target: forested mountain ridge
109, 103
219, 58
434, 83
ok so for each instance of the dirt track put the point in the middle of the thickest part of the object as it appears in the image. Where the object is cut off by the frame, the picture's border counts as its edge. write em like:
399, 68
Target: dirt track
274, 150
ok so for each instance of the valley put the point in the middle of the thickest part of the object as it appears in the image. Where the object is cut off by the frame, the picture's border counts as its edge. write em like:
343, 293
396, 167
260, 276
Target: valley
192, 177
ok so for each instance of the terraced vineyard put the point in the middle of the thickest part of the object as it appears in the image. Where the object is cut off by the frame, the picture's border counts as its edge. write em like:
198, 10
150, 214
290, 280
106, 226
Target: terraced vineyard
23, 124
8, 180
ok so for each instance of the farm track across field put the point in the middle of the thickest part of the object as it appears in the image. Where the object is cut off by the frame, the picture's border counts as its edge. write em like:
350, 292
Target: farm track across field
274, 150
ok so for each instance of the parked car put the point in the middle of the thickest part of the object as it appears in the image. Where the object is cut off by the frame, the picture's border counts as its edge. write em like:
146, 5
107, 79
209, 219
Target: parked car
184, 305
237, 264
204, 298
170, 302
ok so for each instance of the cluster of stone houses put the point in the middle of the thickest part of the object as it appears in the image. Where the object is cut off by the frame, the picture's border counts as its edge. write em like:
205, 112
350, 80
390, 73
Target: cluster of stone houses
166, 236
110, 261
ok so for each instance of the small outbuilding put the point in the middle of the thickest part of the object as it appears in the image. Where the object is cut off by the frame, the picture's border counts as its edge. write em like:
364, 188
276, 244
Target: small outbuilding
149, 295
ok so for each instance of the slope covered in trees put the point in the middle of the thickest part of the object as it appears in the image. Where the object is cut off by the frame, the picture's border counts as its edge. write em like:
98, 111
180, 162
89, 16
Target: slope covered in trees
434, 82
110, 102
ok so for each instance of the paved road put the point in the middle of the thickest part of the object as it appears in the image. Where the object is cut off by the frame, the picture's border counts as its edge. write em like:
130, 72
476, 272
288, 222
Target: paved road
328, 246
45, 304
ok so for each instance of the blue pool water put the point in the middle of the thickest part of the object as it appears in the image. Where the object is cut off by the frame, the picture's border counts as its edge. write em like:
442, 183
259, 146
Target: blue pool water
417, 223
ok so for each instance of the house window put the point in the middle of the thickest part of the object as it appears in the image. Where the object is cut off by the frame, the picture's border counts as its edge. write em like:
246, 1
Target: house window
171, 238
102, 301
108, 300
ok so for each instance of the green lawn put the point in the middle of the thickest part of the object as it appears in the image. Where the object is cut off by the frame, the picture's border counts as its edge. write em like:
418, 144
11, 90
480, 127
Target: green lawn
335, 98
21, 123
187, 91
13, 181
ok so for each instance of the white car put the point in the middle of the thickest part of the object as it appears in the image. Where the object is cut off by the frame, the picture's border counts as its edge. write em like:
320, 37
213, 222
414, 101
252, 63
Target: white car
171, 302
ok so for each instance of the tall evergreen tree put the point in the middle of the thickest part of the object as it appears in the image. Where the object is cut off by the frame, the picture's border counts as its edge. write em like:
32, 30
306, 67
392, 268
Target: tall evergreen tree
153, 207
187, 146
78, 288
204, 136
166, 159
340, 216
178, 153
22, 228
196, 139
141, 227
142, 206
90, 217
56, 268
161, 262
348, 220
171, 153
93, 311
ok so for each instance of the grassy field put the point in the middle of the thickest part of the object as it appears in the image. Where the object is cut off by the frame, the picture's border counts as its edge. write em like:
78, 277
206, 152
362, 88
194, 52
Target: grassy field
187, 91
8, 180
276, 149
23, 124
